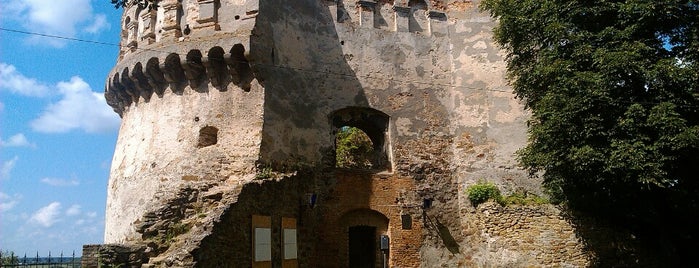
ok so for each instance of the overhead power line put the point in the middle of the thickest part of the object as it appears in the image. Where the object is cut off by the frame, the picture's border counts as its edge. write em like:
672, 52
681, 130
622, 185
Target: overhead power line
302, 69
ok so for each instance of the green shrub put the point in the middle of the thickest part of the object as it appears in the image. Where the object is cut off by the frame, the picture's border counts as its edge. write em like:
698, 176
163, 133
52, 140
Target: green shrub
523, 198
483, 191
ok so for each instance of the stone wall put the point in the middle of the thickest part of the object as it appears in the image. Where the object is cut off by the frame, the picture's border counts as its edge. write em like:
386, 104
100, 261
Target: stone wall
112, 255
523, 236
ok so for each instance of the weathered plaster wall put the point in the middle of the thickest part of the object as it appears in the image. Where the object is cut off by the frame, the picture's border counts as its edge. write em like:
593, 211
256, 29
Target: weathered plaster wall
157, 149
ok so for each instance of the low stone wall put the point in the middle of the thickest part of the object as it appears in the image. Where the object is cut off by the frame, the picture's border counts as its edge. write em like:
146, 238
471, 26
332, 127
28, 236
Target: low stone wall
112, 255
524, 236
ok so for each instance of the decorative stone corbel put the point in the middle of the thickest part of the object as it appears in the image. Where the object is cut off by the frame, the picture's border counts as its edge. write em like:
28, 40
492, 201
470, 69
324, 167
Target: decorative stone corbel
141, 82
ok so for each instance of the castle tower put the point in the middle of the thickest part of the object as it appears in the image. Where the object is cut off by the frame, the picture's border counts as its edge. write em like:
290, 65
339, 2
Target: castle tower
230, 111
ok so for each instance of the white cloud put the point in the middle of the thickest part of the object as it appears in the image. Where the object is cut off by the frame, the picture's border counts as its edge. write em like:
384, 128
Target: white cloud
7, 167
73, 210
18, 140
7, 202
62, 18
60, 182
13, 81
79, 108
99, 23
47, 215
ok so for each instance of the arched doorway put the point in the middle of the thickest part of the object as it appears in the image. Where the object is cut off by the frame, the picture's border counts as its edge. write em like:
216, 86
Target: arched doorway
363, 229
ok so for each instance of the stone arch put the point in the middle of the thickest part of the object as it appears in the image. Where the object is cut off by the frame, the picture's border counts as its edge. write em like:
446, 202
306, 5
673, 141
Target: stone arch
361, 233
372, 122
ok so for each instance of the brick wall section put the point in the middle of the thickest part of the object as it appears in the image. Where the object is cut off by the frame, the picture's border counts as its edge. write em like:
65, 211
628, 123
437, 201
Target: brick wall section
381, 193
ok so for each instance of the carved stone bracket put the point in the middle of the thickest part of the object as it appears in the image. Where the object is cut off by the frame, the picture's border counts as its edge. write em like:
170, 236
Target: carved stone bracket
136, 83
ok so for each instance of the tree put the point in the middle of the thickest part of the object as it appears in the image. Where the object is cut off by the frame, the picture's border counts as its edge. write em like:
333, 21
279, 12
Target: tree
8, 258
353, 148
151, 4
613, 87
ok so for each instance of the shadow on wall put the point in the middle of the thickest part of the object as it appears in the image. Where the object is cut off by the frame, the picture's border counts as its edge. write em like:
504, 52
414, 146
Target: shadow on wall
299, 59
615, 247
230, 241
297, 56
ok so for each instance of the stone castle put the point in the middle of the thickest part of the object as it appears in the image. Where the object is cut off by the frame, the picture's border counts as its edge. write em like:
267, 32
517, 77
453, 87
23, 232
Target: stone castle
230, 111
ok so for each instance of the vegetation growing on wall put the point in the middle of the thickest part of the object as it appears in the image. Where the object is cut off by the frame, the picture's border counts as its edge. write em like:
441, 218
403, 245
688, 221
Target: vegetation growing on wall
481, 192
484, 191
613, 88
353, 148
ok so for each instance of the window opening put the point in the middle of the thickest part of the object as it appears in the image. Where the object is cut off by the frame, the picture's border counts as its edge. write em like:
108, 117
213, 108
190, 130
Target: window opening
354, 149
361, 138
207, 136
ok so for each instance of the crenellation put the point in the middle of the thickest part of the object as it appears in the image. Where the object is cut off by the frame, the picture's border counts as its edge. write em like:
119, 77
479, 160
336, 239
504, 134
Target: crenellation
147, 27
402, 22
366, 13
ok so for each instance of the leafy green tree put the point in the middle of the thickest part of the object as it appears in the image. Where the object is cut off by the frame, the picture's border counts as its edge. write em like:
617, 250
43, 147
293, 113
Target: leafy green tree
353, 148
613, 87
8, 257
151, 4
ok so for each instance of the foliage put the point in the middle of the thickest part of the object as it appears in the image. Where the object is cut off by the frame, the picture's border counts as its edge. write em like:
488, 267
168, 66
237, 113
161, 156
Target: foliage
353, 148
613, 88
150, 4
174, 231
264, 173
524, 198
483, 191
8, 258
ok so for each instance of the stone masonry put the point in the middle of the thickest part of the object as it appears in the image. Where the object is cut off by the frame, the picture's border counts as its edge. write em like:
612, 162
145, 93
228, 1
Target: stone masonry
226, 152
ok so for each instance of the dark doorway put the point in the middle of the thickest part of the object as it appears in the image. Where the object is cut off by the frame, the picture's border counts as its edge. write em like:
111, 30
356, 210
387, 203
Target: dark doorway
362, 247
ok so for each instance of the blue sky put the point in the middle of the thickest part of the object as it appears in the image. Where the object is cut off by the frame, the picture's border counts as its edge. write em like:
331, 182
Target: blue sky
57, 134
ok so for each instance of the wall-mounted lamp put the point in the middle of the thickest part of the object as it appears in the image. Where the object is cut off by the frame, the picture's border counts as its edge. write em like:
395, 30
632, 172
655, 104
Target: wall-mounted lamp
426, 203
311, 198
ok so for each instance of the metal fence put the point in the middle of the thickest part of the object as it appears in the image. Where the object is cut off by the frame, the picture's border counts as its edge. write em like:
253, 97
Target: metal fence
60, 261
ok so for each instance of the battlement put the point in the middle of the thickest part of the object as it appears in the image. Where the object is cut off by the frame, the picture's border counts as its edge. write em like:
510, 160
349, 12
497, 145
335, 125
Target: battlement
180, 20
164, 47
